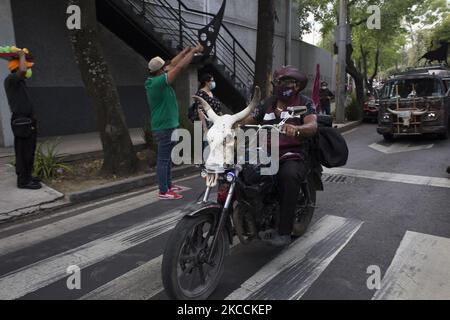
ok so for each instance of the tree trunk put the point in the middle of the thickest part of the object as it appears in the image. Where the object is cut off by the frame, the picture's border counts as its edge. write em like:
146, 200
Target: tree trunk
375, 71
264, 47
119, 155
359, 80
364, 68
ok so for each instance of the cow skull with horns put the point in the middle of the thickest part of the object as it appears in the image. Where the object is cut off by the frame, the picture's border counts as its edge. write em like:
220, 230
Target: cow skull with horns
221, 135
406, 115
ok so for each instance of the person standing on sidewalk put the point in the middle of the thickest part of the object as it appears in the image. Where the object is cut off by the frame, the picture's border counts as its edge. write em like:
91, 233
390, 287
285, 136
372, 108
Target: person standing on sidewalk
325, 98
165, 115
23, 121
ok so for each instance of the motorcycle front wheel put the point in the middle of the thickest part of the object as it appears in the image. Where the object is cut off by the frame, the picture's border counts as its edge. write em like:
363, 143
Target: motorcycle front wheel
186, 273
304, 213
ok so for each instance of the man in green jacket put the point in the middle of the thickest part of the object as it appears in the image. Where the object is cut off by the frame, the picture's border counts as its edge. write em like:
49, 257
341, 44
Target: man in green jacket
164, 113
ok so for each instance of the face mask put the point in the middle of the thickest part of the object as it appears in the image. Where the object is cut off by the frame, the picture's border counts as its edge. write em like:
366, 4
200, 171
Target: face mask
212, 85
29, 74
285, 93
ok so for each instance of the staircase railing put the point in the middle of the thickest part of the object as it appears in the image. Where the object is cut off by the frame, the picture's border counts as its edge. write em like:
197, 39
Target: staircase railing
176, 23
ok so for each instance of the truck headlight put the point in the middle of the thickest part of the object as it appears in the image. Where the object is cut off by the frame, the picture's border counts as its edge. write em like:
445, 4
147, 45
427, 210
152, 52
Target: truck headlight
430, 116
386, 117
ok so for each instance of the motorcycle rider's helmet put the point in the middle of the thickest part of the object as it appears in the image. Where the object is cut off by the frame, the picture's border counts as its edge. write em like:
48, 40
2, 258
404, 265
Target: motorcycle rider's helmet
290, 72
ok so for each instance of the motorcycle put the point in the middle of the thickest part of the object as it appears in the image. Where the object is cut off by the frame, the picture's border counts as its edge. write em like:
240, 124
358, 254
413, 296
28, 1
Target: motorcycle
246, 203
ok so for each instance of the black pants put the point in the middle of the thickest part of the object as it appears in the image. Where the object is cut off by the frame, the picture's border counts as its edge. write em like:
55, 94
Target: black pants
290, 177
326, 107
25, 150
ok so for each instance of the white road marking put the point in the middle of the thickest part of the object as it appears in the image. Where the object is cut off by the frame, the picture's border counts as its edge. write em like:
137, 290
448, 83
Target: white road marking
291, 274
420, 270
43, 273
399, 147
141, 283
53, 230
391, 177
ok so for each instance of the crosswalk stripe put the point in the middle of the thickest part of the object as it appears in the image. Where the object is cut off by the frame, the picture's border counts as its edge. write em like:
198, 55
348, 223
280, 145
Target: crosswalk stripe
419, 271
50, 270
53, 230
141, 283
391, 177
291, 274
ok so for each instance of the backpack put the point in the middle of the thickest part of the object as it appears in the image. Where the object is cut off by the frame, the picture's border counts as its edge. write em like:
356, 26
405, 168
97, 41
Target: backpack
332, 147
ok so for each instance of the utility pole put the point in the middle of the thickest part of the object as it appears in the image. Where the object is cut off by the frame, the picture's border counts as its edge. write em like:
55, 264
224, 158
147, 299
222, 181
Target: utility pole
287, 57
342, 56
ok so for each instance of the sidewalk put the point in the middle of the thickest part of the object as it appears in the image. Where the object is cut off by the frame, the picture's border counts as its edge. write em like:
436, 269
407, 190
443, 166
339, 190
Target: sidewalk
15, 202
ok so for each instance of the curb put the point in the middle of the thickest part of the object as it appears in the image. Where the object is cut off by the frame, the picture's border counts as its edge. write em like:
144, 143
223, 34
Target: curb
348, 126
126, 185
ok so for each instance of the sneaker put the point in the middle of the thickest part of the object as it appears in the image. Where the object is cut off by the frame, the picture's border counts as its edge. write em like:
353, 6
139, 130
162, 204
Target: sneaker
30, 186
273, 238
175, 188
170, 195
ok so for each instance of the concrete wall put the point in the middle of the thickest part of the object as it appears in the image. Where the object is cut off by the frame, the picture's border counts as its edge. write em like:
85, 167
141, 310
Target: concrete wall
6, 36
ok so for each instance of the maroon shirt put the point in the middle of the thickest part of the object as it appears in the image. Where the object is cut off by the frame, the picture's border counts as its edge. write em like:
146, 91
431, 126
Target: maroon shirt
290, 147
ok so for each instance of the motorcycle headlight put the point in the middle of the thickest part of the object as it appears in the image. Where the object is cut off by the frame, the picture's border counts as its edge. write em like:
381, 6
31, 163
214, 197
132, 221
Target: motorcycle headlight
230, 177
430, 116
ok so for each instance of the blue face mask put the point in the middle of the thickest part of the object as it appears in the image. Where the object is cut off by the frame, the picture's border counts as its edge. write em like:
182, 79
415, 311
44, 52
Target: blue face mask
212, 85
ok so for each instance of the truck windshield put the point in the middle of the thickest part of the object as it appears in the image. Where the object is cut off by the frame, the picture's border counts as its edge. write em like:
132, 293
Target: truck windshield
425, 87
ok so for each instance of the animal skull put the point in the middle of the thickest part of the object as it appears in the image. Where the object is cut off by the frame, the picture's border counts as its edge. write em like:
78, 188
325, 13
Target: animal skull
221, 135
406, 115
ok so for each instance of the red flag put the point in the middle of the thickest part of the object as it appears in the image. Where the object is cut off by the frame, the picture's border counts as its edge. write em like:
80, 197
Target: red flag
316, 90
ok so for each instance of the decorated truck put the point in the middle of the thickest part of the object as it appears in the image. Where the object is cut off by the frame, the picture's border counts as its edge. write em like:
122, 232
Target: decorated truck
416, 102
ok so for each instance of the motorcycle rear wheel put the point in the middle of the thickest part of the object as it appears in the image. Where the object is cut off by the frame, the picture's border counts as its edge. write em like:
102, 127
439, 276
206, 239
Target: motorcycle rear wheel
185, 273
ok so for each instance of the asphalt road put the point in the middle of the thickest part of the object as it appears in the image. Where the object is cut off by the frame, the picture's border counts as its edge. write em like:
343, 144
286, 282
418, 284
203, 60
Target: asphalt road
388, 210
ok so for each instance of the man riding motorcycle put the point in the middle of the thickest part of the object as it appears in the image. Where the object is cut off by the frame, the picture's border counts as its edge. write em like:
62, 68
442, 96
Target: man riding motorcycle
288, 84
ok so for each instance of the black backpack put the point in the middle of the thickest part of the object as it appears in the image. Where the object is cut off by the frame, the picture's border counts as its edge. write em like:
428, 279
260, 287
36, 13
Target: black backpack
332, 147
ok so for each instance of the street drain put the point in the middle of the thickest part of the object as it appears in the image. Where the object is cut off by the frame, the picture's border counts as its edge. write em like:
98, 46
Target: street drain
334, 178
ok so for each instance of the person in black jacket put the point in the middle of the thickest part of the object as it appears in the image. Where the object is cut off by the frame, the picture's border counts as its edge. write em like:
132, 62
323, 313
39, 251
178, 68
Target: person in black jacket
23, 121
325, 98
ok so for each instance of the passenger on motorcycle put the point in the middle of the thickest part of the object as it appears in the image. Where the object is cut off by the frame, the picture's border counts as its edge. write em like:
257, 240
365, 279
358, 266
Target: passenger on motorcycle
288, 84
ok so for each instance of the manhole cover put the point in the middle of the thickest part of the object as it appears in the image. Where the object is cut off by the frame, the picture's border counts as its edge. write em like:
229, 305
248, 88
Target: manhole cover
335, 178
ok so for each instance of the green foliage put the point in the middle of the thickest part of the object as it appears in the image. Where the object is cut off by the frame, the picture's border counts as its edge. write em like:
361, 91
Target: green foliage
401, 21
352, 109
48, 162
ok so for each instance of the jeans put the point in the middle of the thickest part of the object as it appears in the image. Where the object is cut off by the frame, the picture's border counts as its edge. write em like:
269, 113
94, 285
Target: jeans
164, 160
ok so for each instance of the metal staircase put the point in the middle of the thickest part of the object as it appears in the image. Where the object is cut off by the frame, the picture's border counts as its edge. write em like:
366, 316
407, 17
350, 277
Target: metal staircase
163, 27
